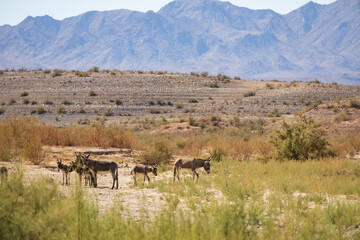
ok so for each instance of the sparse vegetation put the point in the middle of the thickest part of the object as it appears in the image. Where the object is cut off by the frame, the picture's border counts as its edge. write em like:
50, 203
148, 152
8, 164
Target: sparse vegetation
61, 109
300, 141
82, 74
66, 102
249, 94
24, 94
57, 73
108, 112
92, 93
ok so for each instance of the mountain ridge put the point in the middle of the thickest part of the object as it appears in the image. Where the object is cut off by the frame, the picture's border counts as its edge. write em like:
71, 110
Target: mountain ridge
314, 41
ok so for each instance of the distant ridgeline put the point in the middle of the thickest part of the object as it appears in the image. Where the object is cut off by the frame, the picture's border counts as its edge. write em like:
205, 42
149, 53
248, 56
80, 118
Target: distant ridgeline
314, 41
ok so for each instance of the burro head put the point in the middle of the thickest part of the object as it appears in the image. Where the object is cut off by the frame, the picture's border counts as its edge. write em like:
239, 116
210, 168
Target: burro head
207, 166
154, 170
58, 161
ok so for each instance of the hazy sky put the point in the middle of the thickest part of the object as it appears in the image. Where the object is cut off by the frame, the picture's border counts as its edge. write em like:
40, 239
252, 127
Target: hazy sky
14, 11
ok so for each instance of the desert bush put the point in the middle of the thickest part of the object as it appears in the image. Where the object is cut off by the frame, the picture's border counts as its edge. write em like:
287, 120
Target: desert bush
12, 101
269, 86
108, 112
57, 73
92, 93
205, 74
159, 153
354, 103
155, 111
179, 105
213, 84
47, 71
342, 116
66, 102
26, 101
193, 100
217, 153
34, 102
82, 74
274, 113
2, 110
48, 102
40, 110
180, 143
118, 102
249, 94
61, 109
300, 141
95, 69
24, 94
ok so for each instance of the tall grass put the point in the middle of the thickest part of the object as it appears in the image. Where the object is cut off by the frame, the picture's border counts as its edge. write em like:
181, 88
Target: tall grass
39, 210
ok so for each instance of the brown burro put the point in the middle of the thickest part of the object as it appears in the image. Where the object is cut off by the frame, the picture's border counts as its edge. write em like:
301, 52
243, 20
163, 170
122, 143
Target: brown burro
101, 167
65, 169
192, 165
142, 169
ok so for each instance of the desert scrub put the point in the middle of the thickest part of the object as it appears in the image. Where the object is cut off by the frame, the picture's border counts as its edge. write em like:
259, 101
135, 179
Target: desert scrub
2, 111
47, 71
92, 93
193, 100
342, 116
34, 102
12, 101
26, 101
82, 74
48, 102
57, 73
40, 110
108, 112
61, 109
354, 103
179, 105
249, 94
155, 111
300, 141
24, 94
66, 102
159, 153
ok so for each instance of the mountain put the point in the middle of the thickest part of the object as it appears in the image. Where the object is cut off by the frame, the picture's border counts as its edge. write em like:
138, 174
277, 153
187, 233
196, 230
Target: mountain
314, 41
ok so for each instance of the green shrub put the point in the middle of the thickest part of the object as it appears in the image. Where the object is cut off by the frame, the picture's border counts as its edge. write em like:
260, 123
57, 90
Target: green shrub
92, 93
24, 94
82, 74
95, 69
249, 94
354, 103
61, 109
118, 102
57, 73
108, 112
48, 102
40, 110
158, 154
180, 143
66, 102
155, 111
300, 141
342, 116
12, 101
26, 101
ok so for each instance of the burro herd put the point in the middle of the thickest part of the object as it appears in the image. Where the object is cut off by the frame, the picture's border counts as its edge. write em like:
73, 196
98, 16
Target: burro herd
89, 168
